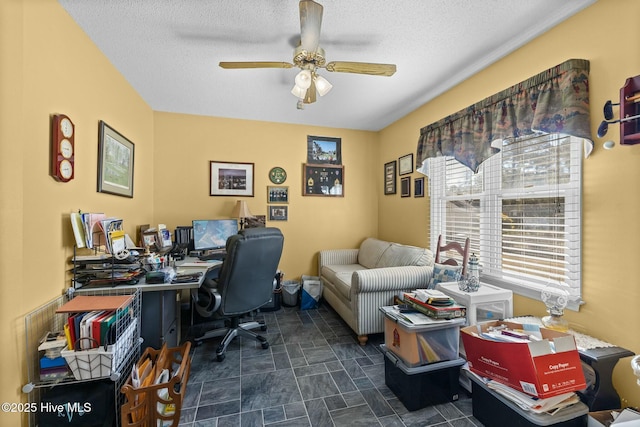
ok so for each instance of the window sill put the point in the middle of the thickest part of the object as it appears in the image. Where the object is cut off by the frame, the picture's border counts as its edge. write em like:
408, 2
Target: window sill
528, 291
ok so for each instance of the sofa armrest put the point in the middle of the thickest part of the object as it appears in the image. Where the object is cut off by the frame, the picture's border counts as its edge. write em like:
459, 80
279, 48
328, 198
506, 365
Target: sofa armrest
337, 257
390, 279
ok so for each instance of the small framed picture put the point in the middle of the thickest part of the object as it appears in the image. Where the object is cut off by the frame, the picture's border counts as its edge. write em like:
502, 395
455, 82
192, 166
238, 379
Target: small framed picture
277, 194
390, 177
405, 187
405, 164
418, 187
278, 213
258, 221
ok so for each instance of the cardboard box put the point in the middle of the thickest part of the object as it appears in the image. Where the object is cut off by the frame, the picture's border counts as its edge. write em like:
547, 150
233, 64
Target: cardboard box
533, 367
421, 344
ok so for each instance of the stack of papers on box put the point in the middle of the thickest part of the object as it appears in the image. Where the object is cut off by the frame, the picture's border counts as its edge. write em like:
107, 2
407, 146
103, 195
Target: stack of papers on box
550, 405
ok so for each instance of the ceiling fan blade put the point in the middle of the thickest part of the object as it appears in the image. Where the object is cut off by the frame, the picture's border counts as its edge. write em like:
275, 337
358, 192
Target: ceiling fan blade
310, 23
255, 64
361, 68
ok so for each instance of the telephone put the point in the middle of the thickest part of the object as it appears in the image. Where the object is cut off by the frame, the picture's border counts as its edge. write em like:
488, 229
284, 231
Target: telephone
635, 365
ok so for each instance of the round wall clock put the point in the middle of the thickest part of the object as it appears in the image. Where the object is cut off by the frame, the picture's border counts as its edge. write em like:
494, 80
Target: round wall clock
277, 175
62, 148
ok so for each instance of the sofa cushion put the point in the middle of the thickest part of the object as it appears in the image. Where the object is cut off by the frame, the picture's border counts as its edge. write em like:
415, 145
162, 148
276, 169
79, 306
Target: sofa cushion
444, 273
398, 255
370, 252
339, 277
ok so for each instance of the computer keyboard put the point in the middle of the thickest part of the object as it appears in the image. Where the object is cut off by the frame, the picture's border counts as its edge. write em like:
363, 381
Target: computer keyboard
213, 256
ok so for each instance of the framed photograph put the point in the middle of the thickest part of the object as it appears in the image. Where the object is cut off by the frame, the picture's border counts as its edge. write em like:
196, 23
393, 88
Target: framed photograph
390, 177
258, 221
418, 187
324, 150
277, 194
405, 164
278, 213
405, 187
231, 179
115, 162
150, 239
324, 180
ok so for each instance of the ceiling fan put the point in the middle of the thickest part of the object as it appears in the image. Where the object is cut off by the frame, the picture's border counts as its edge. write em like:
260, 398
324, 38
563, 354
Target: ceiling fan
310, 57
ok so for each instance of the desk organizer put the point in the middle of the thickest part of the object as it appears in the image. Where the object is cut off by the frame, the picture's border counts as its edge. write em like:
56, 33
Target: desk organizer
101, 362
158, 404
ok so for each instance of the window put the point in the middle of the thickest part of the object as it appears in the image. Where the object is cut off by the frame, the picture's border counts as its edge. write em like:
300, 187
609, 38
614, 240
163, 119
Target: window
521, 212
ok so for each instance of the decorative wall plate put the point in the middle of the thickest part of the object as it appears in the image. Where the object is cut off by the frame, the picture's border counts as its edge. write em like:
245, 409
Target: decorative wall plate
277, 175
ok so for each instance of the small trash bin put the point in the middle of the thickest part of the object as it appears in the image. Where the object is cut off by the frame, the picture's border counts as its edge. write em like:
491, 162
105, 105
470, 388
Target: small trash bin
290, 289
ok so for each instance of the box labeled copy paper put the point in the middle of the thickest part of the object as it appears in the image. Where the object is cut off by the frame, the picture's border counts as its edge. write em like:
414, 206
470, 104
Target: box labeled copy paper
544, 368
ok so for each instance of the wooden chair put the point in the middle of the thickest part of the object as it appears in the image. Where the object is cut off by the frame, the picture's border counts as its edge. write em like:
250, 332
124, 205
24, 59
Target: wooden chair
442, 248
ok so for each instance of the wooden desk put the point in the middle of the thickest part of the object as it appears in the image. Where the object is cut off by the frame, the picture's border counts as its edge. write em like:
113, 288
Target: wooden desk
160, 311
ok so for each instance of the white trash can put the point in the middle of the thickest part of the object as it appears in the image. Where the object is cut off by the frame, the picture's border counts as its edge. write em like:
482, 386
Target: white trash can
290, 289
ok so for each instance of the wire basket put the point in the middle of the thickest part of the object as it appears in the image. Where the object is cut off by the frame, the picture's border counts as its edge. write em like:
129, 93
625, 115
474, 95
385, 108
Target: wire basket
101, 362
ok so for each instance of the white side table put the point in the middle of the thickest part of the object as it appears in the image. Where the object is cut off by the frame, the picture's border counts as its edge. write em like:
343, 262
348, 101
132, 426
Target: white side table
488, 303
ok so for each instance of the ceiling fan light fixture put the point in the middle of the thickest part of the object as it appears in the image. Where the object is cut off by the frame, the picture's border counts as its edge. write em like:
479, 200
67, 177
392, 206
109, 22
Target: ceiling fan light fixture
303, 79
322, 85
298, 92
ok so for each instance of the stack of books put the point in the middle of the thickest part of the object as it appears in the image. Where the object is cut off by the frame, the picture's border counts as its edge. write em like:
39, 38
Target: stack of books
433, 303
52, 365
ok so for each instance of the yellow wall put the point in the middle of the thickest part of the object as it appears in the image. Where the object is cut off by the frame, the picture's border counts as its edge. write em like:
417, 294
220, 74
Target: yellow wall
172, 169
611, 201
48, 65
185, 144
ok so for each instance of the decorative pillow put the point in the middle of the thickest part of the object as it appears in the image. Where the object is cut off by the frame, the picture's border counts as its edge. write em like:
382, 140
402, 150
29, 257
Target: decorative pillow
444, 273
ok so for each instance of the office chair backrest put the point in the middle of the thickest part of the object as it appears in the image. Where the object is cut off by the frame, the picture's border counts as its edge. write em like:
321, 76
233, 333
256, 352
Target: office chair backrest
246, 277
443, 247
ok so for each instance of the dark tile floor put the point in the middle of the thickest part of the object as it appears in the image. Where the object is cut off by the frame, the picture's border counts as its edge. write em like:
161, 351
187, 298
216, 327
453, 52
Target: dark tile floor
313, 374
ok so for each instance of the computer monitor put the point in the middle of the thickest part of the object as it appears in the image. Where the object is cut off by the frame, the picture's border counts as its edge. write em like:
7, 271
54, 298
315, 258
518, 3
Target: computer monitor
211, 234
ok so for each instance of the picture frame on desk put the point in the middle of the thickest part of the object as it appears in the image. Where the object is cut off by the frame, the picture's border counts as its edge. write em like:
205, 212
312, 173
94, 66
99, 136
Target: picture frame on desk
115, 162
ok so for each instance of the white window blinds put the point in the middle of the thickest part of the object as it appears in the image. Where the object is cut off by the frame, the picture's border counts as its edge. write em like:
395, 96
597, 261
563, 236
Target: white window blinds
521, 212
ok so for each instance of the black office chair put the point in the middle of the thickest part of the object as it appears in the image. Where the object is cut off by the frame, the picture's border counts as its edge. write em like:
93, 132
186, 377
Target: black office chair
244, 284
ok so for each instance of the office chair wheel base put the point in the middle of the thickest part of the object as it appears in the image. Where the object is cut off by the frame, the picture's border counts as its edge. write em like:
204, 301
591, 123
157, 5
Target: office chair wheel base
265, 345
220, 357
263, 328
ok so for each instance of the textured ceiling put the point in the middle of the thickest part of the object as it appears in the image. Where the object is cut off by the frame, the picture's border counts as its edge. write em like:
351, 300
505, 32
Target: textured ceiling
169, 51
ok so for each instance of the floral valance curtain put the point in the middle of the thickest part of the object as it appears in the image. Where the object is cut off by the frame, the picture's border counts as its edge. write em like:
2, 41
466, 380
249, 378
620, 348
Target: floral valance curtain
554, 101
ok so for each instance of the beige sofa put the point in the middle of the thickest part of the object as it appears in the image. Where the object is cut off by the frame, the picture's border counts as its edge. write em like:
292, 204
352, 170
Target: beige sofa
358, 281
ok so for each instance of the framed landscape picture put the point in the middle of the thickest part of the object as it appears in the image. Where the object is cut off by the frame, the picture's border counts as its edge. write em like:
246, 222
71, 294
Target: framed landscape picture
231, 179
324, 150
115, 162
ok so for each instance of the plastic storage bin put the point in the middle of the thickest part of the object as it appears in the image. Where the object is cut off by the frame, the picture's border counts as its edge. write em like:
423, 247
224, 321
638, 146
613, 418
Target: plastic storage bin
290, 289
424, 385
488, 303
493, 410
418, 345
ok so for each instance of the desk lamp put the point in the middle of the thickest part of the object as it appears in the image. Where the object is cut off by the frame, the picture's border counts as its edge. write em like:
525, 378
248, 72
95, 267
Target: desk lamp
241, 211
